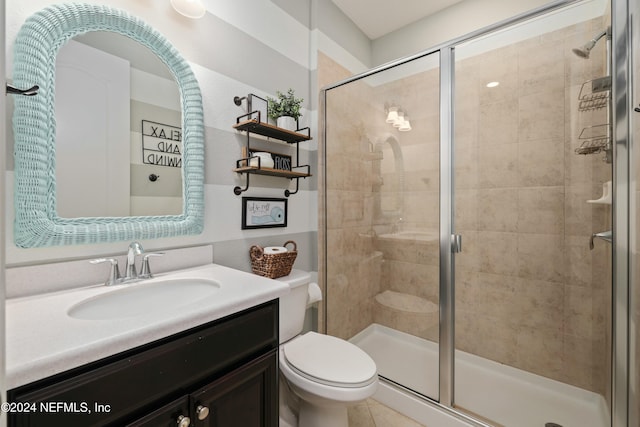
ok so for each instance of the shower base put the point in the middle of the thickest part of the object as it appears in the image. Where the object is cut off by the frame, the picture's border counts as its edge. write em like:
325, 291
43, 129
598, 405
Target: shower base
502, 394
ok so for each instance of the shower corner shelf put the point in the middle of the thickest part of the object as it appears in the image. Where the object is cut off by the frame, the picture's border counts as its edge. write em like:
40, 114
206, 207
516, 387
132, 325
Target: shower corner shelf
595, 139
594, 94
250, 125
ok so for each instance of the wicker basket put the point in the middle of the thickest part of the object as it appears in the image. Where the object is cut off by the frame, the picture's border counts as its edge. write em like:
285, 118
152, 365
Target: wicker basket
273, 265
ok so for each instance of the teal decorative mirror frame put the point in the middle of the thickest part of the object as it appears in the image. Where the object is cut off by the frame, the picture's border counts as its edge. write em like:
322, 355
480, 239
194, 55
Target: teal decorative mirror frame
36, 47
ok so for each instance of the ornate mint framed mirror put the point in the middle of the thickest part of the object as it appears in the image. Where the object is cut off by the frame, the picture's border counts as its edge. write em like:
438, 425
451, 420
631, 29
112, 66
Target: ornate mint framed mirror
39, 217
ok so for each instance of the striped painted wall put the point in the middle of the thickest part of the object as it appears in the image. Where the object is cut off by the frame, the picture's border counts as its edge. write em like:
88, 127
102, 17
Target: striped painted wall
238, 47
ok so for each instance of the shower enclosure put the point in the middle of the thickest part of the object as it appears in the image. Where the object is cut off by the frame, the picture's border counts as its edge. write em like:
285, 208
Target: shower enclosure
467, 220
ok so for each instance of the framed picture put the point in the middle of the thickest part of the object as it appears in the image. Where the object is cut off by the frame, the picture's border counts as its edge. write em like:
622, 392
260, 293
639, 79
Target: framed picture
263, 212
255, 103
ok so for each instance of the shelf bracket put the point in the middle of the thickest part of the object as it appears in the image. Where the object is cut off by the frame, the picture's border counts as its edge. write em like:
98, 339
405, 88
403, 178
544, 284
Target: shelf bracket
288, 193
239, 190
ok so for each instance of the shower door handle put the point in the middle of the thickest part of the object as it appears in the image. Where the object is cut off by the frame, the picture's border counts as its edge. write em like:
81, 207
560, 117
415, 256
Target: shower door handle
456, 243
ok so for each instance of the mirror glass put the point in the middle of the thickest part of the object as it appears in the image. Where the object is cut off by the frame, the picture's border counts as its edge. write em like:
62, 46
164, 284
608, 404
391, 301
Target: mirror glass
391, 175
154, 157
121, 147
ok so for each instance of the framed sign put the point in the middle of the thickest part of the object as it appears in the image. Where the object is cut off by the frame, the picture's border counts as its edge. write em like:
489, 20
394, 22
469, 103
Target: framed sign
161, 144
263, 212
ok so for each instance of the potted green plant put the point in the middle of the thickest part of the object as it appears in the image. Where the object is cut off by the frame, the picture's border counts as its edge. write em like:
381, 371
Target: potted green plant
285, 109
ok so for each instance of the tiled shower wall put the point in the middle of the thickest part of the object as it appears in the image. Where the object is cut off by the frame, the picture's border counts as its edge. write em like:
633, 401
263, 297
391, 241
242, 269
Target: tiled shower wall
529, 292
353, 270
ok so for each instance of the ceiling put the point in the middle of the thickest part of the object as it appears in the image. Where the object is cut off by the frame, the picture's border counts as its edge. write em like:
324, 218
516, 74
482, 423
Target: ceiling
379, 17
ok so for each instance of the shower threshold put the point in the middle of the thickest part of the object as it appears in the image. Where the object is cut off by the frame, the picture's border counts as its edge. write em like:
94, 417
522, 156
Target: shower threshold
508, 396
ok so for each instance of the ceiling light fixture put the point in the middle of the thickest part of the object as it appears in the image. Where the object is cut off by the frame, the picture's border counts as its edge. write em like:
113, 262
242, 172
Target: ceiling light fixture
493, 84
189, 8
397, 118
406, 125
399, 121
392, 116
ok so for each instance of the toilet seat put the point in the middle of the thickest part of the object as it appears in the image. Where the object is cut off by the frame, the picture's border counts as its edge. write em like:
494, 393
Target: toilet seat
330, 361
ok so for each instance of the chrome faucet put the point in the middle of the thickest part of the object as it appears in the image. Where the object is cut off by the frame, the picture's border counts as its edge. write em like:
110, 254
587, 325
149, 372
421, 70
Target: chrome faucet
607, 236
114, 271
130, 272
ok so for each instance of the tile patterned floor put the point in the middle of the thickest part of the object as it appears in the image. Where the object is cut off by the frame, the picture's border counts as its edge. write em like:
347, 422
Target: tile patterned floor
372, 413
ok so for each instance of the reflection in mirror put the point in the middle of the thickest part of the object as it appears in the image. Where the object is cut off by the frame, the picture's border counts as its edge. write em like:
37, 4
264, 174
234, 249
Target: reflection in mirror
110, 143
390, 169
37, 220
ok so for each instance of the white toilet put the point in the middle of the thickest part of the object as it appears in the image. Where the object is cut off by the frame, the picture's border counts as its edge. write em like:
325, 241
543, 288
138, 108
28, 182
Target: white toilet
320, 375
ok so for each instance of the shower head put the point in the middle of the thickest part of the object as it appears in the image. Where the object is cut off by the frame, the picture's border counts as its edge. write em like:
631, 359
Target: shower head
585, 50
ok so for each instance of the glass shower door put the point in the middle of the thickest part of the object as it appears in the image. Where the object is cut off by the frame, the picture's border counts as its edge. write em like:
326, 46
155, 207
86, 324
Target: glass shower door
382, 219
532, 300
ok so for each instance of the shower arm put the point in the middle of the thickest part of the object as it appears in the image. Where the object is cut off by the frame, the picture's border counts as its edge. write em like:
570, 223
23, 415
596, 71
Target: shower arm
606, 32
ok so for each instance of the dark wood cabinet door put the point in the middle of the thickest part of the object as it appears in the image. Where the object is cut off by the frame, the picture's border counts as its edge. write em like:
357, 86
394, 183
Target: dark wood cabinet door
246, 397
175, 414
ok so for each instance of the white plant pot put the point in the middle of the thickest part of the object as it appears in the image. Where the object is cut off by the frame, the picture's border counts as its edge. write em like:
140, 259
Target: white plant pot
287, 122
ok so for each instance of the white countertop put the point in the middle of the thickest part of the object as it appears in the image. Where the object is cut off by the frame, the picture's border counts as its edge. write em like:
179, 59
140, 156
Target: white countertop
43, 340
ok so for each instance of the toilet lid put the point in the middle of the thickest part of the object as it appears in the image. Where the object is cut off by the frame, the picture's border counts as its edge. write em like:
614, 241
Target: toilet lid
330, 360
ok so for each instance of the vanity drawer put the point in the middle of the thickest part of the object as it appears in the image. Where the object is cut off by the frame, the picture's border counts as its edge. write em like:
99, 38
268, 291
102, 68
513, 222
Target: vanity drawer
124, 387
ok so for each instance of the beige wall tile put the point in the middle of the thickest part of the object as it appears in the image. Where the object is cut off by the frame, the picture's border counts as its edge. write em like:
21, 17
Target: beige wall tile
541, 163
498, 252
498, 166
497, 209
498, 123
541, 210
541, 116
541, 256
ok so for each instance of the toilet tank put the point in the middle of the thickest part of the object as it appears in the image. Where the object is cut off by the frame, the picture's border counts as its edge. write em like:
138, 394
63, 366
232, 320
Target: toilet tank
293, 305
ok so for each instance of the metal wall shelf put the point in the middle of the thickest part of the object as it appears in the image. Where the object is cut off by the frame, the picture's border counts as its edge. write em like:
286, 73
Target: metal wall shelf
271, 172
250, 125
271, 131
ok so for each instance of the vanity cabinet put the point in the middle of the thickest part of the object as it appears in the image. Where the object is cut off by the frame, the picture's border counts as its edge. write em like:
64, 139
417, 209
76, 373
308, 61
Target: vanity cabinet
222, 374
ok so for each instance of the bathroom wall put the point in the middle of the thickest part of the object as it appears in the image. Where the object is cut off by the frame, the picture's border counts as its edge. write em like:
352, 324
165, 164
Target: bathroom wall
233, 50
461, 18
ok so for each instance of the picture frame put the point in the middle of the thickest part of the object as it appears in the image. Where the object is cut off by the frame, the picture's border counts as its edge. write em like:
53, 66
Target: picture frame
263, 212
257, 104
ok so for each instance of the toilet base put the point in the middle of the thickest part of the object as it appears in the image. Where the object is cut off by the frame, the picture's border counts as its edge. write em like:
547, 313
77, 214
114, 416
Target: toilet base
322, 416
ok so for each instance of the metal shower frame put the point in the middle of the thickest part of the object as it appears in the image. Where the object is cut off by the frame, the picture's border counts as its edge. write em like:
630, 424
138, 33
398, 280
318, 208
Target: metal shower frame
621, 107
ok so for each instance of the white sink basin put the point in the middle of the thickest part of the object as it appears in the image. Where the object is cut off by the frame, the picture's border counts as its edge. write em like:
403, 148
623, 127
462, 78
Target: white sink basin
142, 298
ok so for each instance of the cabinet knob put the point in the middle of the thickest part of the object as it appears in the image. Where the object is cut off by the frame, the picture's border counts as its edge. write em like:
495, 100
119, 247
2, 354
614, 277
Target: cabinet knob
202, 412
183, 421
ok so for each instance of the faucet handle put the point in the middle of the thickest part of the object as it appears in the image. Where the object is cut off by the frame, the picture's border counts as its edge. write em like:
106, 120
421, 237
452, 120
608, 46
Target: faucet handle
145, 273
114, 272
